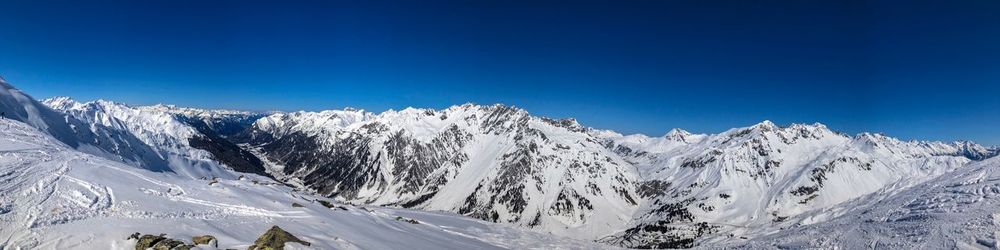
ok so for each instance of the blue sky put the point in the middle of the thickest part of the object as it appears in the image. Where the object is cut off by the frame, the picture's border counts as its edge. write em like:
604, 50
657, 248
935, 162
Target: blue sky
919, 70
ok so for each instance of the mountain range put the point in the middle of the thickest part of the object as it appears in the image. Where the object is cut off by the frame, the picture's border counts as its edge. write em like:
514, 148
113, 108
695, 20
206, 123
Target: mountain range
745, 187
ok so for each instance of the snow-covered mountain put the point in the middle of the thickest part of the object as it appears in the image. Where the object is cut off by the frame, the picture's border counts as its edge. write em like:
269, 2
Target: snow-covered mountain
490, 162
226, 123
743, 182
189, 145
958, 210
495, 163
687, 188
84, 136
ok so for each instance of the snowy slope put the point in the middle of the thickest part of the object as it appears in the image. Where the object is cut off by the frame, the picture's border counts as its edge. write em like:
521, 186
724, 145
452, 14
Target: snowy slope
746, 181
495, 163
54, 197
88, 137
958, 210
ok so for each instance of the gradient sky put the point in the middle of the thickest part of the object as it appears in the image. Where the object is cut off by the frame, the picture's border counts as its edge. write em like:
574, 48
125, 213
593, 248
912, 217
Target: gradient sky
910, 69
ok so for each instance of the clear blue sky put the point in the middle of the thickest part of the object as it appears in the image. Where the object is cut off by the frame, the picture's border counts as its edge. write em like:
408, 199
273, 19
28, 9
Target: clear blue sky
911, 69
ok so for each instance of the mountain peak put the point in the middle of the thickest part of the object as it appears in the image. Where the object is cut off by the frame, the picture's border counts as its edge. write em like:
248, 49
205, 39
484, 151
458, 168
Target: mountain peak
766, 124
677, 133
571, 122
809, 127
568, 123
60, 102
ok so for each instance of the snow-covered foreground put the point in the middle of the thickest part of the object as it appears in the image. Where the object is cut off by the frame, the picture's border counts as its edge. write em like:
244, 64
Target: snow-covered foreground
54, 197
958, 210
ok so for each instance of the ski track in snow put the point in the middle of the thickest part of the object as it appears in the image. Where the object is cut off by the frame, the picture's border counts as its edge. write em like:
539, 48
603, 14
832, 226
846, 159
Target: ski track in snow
176, 193
18, 196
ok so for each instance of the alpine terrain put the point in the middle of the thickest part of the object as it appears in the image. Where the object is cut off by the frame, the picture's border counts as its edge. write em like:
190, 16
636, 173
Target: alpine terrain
88, 174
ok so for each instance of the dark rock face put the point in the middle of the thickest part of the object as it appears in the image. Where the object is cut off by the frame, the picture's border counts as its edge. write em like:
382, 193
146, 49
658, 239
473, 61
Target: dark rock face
662, 235
675, 227
339, 169
414, 162
345, 166
653, 188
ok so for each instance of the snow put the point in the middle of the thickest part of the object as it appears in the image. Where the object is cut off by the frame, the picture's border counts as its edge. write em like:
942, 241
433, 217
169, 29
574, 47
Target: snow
57, 198
313, 123
762, 169
155, 126
958, 210
191, 112
469, 175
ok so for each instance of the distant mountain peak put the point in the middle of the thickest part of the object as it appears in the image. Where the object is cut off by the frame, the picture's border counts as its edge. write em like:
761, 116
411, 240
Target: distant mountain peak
677, 134
567, 123
766, 124
60, 102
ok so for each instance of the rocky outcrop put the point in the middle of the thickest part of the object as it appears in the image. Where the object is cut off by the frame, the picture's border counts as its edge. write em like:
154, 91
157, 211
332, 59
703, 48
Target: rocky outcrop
158, 242
275, 239
205, 240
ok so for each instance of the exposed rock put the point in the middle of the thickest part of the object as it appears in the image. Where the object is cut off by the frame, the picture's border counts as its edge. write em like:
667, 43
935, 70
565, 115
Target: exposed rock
147, 241
408, 220
158, 242
296, 205
205, 240
275, 238
170, 244
330, 205
326, 204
